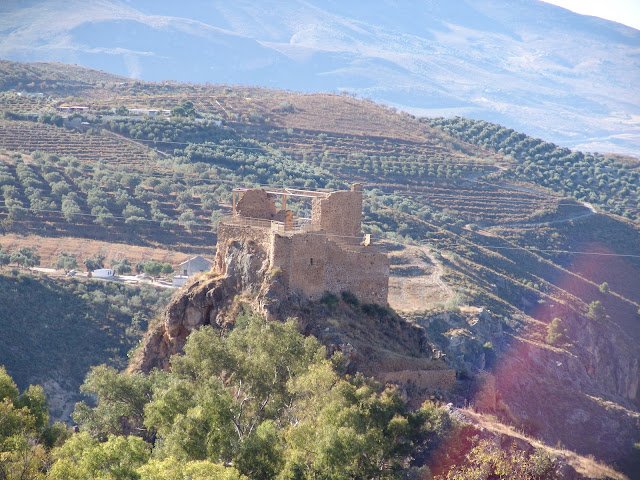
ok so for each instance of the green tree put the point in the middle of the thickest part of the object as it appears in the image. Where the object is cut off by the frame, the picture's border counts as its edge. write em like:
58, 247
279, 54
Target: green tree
25, 433
267, 399
120, 403
103, 216
604, 287
8, 388
16, 212
94, 263
262, 398
596, 311
70, 209
66, 262
187, 219
186, 109
82, 458
121, 267
25, 257
132, 213
348, 430
556, 332
172, 469
5, 258
152, 268
489, 461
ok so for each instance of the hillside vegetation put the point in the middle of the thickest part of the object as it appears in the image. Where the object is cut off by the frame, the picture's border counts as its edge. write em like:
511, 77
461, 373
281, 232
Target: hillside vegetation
53, 331
534, 285
594, 178
260, 402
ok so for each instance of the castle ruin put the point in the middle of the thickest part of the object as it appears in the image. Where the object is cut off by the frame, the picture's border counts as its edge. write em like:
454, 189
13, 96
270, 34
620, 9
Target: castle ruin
326, 253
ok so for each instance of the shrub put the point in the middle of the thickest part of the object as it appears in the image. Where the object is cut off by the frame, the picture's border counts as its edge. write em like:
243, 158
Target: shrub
154, 268
66, 262
25, 257
186, 109
556, 332
286, 107
349, 298
167, 268
373, 309
121, 267
132, 211
94, 263
488, 460
330, 299
596, 311
5, 258
70, 209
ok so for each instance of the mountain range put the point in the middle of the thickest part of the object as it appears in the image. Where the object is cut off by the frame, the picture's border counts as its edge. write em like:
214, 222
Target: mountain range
526, 64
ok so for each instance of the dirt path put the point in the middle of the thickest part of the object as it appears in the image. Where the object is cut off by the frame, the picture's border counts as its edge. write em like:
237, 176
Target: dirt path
576, 216
416, 283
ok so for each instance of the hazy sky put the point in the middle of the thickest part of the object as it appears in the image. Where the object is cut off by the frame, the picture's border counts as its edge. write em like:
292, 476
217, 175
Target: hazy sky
622, 11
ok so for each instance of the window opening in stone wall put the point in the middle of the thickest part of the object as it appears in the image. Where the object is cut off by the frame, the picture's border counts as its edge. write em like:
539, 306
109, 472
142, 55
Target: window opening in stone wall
311, 261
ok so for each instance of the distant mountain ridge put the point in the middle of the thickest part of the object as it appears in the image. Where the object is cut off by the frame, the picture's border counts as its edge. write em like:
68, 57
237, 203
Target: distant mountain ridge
523, 63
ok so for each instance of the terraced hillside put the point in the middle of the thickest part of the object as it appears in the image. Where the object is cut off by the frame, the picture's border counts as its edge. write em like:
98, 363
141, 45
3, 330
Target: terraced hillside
604, 181
492, 239
86, 147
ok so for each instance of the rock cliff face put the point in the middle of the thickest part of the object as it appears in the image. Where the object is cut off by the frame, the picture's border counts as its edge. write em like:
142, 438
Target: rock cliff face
210, 299
582, 394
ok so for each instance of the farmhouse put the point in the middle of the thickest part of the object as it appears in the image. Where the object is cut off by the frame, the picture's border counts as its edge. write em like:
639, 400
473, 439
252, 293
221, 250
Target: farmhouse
190, 267
194, 265
324, 253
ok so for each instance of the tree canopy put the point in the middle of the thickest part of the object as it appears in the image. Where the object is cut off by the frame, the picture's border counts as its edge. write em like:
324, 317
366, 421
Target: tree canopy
264, 399
259, 402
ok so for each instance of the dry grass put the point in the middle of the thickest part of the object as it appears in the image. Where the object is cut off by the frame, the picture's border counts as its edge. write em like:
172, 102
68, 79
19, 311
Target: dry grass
50, 247
419, 292
587, 466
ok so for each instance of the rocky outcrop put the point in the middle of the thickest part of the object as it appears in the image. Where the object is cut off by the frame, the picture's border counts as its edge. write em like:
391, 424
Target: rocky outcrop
588, 388
374, 340
209, 299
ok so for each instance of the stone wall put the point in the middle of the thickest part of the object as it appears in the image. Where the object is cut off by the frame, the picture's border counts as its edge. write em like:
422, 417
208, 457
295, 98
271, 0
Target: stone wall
340, 213
256, 203
362, 271
313, 264
308, 264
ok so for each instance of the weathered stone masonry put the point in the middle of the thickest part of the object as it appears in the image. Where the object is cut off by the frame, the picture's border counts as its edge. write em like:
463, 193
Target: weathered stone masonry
317, 255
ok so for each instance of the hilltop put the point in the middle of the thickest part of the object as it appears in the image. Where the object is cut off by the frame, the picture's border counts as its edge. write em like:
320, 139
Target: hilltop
492, 234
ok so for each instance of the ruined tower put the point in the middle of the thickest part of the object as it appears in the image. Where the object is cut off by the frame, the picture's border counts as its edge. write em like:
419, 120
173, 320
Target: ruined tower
326, 253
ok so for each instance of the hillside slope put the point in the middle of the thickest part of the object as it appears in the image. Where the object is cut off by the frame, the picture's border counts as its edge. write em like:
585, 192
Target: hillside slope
53, 331
420, 56
503, 250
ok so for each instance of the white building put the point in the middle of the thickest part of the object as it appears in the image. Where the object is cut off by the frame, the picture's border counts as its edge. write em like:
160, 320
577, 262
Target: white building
179, 280
103, 273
